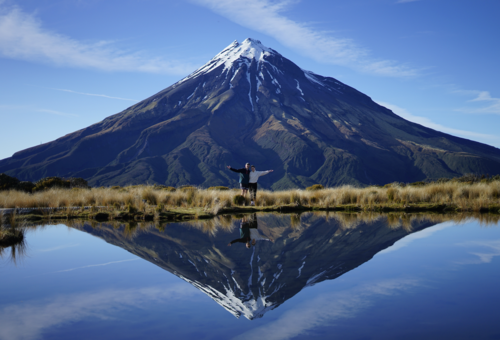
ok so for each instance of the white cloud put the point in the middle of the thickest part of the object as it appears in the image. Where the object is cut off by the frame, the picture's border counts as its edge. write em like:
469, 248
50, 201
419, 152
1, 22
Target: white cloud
96, 95
484, 96
29, 320
485, 256
480, 97
23, 37
264, 16
430, 124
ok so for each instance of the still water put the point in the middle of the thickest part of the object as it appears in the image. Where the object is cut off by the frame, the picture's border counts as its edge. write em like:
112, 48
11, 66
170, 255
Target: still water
310, 276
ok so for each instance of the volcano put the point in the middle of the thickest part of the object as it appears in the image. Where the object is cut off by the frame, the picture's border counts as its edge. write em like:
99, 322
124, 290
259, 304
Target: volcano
251, 104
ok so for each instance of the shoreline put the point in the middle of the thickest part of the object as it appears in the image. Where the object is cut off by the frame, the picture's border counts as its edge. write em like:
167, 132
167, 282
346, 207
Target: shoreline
102, 214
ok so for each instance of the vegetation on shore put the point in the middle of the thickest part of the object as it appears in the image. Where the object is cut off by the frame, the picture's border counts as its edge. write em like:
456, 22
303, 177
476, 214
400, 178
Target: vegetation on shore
467, 193
12, 241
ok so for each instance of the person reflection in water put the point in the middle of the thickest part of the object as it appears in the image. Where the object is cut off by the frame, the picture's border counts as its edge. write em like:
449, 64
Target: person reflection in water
254, 231
249, 233
244, 233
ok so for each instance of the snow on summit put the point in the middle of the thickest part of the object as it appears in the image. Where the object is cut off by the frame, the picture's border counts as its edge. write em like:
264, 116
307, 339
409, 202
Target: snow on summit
262, 65
249, 49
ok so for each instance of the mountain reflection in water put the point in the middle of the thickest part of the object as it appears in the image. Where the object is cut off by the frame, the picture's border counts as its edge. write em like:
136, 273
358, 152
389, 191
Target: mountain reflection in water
304, 251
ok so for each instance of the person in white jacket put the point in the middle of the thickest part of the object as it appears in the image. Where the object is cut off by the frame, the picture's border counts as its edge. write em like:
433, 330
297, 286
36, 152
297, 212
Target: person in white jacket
254, 231
252, 185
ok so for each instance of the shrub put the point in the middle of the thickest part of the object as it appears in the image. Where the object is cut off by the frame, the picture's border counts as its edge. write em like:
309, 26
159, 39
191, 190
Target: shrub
51, 182
220, 188
7, 182
11, 183
417, 184
78, 182
116, 187
164, 187
187, 188
315, 187
238, 200
58, 182
25, 186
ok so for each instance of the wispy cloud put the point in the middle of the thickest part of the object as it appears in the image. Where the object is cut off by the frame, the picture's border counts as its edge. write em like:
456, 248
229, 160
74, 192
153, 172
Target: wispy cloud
96, 95
29, 320
58, 247
265, 16
430, 124
22, 36
484, 256
94, 265
492, 107
52, 112
30, 109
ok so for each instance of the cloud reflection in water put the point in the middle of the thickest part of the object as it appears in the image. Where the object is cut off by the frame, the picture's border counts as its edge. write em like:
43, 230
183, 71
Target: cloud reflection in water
27, 321
326, 309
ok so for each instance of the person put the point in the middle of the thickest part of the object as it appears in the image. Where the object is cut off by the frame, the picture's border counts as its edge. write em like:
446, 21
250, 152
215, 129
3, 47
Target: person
244, 177
254, 231
244, 233
252, 182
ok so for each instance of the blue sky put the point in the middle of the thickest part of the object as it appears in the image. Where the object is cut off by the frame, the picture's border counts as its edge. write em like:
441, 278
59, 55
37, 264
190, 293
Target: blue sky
67, 64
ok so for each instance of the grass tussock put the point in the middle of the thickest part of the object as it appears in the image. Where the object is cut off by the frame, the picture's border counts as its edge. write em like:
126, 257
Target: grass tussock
464, 196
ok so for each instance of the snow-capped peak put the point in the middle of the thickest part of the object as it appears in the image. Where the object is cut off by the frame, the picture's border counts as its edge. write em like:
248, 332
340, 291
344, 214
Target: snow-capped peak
248, 49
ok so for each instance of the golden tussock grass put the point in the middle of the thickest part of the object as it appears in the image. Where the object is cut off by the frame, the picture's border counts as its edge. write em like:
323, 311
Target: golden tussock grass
471, 197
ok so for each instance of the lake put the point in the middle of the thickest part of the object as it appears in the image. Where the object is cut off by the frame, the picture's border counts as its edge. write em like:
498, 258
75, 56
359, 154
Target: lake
315, 275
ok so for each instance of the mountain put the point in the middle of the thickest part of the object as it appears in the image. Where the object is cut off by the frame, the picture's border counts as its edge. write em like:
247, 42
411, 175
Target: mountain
251, 104
251, 282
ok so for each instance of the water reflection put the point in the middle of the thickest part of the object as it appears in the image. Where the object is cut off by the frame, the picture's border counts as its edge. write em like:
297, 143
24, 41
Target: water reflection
12, 240
13, 252
249, 232
307, 249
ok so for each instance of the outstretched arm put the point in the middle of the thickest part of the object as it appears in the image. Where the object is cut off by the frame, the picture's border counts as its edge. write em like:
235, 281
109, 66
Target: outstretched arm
235, 170
242, 240
262, 173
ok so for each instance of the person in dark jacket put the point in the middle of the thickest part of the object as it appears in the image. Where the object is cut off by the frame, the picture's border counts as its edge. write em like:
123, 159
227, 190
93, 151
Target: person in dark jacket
244, 177
244, 233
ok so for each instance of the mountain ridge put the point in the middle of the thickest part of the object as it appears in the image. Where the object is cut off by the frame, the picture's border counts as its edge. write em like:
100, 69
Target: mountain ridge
251, 104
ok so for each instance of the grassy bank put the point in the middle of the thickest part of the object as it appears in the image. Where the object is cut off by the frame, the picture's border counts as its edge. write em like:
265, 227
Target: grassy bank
148, 202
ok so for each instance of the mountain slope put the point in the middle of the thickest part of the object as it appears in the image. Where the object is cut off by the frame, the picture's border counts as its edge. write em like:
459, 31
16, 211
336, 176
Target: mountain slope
251, 104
